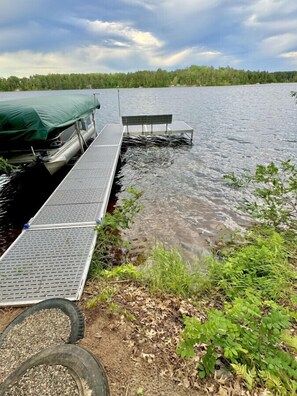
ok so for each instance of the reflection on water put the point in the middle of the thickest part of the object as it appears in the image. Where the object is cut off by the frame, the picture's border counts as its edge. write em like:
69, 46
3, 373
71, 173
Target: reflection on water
186, 203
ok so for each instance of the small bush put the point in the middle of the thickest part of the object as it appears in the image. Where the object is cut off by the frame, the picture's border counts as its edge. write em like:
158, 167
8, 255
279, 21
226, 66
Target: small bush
5, 167
111, 249
105, 296
262, 265
249, 336
125, 271
274, 192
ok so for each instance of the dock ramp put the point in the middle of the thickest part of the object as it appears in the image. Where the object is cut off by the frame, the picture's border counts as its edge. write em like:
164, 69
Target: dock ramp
51, 258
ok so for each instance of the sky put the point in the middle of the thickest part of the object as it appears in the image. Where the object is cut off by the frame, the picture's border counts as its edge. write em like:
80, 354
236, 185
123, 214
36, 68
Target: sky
108, 36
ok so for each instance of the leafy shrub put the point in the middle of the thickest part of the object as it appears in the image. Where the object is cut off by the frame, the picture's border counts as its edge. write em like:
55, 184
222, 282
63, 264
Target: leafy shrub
105, 296
249, 336
262, 265
254, 276
274, 191
125, 271
5, 167
110, 247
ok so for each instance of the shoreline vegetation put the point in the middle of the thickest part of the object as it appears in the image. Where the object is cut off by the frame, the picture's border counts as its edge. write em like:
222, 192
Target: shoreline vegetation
230, 328
191, 76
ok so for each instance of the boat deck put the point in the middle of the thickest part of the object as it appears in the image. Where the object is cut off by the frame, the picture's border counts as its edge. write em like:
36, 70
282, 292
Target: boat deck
52, 257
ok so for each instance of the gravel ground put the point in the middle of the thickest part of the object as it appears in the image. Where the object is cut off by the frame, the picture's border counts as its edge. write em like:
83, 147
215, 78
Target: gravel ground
38, 331
45, 380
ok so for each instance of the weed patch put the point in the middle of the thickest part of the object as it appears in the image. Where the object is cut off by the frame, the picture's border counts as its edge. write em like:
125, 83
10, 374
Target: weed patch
111, 249
261, 265
167, 271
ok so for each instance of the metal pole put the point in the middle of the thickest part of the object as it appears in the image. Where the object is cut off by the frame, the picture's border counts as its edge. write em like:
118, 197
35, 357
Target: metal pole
79, 137
119, 104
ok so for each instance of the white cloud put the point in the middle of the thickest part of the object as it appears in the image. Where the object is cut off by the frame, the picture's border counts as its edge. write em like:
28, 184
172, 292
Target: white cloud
88, 59
191, 6
94, 58
158, 33
122, 31
271, 14
274, 45
176, 9
27, 63
290, 55
146, 4
187, 57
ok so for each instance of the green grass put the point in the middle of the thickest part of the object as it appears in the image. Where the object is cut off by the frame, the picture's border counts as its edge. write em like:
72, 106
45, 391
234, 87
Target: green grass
167, 271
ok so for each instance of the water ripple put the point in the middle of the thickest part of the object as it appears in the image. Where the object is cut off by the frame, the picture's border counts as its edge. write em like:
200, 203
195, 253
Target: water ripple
185, 199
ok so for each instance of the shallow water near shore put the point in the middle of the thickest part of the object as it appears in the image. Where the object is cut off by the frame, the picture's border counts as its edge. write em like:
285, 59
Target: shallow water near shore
186, 202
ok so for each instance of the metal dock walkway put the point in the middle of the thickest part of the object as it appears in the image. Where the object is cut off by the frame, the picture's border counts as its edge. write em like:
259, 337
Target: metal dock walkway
52, 257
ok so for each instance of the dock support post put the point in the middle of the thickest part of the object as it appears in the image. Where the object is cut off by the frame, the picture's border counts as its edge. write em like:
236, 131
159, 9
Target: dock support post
79, 137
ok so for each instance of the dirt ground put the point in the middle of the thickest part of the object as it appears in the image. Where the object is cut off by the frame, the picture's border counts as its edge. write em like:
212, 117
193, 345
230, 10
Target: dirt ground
135, 335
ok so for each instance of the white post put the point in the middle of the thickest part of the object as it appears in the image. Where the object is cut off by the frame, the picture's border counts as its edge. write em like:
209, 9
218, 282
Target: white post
119, 104
79, 137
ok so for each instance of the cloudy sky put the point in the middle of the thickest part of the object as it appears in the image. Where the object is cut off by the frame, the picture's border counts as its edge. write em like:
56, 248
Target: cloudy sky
69, 36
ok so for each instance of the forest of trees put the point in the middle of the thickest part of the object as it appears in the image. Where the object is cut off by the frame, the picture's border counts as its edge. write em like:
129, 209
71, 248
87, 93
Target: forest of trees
191, 76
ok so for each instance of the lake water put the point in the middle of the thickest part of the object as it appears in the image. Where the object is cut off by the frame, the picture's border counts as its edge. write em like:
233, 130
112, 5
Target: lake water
186, 202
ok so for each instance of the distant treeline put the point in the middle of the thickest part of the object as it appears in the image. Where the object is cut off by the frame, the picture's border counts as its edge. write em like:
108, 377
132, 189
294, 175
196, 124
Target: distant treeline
192, 76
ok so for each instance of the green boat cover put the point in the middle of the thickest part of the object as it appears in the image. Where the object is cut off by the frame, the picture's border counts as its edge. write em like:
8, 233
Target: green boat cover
35, 118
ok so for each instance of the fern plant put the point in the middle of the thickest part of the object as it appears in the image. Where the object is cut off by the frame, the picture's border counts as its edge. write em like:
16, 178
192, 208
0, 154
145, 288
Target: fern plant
262, 264
248, 335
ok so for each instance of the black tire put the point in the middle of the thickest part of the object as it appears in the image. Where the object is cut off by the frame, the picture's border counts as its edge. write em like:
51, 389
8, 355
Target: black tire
68, 307
86, 370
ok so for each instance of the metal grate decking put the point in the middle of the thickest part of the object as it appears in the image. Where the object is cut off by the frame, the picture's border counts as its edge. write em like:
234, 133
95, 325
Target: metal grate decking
52, 257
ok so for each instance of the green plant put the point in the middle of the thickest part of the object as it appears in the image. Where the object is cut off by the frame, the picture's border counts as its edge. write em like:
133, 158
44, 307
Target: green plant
166, 270
128, 315
290, 340
255, 273
261, 264
111, 248
5, 167
105, 296
140, 391
113, 308
273, 189
249, 336
125, 271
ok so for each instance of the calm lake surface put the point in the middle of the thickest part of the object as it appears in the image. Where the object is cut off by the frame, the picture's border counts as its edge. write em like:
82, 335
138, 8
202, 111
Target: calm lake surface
186, 202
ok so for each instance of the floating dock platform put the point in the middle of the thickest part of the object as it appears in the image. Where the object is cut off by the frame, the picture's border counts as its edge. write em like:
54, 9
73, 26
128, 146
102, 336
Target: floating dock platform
156, 125
51, 257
